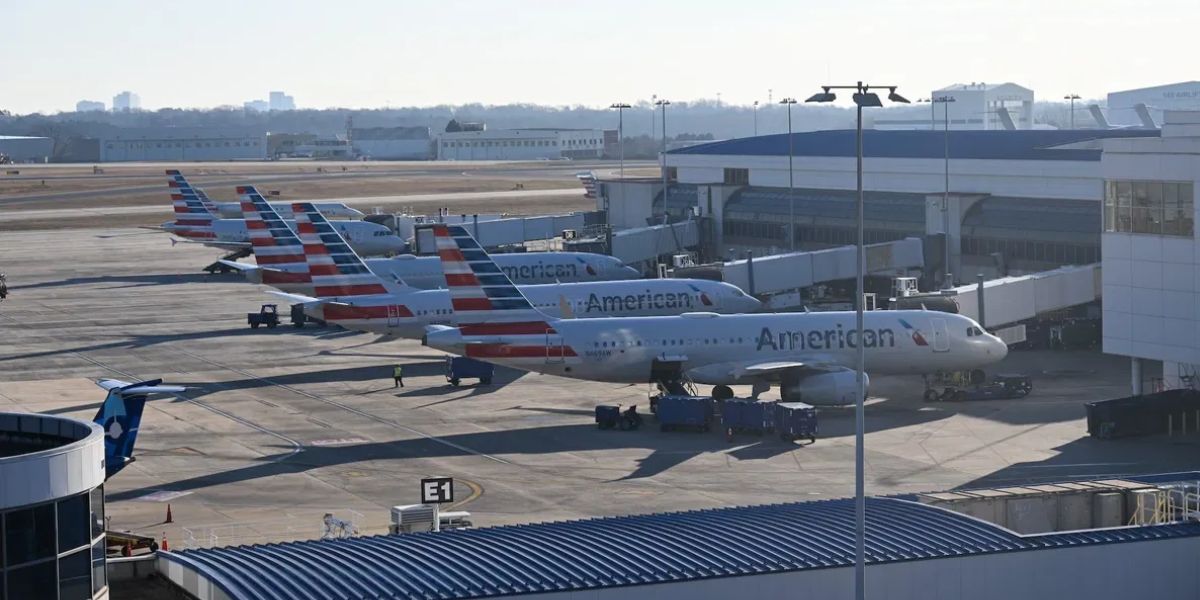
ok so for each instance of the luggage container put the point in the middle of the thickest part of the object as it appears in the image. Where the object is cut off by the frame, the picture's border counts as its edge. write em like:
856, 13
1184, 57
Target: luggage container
610, 416
746, 415
796, 420
459, 368
685, 412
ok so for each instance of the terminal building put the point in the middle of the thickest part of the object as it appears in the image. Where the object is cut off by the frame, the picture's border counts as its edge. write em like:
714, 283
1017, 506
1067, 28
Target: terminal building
1019, 202
521, 144
24, 148
51, 508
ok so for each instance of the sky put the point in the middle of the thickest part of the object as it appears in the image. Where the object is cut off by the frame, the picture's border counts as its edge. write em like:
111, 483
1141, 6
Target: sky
376, 53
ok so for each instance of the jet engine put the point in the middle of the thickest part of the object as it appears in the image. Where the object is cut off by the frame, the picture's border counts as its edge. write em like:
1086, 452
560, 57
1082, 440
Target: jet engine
830, 388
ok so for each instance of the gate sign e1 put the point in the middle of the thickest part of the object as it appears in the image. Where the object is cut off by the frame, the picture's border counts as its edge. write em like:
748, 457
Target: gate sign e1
437, 490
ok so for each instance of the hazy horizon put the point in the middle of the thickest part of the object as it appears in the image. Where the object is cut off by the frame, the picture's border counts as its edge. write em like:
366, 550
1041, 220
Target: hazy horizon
375, 54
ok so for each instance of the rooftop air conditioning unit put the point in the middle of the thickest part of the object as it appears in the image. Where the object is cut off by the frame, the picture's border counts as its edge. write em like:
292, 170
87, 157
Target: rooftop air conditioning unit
414, 518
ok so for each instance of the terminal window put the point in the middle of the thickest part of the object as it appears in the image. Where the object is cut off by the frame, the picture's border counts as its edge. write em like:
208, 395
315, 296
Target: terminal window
737, 176
1153, 207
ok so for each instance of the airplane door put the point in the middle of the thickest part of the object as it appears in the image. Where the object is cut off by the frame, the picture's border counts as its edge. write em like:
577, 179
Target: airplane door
555, 353
393, 315
941, 337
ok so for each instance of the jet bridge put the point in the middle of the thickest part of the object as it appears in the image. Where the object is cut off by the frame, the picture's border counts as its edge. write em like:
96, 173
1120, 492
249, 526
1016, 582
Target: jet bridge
511, 231
1014, 299
794, 270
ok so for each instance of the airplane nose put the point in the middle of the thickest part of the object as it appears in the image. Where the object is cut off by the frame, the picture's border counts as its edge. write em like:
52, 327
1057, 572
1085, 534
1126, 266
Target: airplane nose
752, 304
627, 272
999, 348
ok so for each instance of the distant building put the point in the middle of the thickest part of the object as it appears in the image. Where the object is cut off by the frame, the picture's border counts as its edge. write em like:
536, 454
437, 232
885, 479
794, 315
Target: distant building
281, 101
126, 101
325, 148
393, 143
89, 106
183, 144
257, 105
521, 144
975, 106
21, 148
1174, 96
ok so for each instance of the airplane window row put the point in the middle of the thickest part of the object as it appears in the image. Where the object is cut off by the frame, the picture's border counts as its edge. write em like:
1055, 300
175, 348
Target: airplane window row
437, 311
675, 342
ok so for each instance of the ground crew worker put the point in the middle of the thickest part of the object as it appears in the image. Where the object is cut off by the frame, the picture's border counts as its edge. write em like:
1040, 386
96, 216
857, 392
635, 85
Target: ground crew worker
398, 376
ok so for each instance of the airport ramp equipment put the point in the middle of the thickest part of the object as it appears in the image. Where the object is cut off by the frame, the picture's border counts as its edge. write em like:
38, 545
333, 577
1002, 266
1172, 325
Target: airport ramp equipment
1014, 299
793, 270
647, 243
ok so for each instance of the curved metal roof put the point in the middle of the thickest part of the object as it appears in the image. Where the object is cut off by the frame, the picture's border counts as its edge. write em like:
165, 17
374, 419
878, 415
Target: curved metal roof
618, 551
1031, 144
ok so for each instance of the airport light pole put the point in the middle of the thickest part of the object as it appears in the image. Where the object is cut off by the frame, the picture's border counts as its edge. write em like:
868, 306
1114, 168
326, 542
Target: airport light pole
620, 106
789, 101
663, 104
1072, 98
945, 102
863, 97
756, 118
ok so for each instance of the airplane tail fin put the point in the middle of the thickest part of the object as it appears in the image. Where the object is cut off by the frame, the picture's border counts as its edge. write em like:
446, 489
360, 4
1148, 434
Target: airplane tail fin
1098, 116
337, 271
175, 179
192, 219
121, 415
275, 245
479, 291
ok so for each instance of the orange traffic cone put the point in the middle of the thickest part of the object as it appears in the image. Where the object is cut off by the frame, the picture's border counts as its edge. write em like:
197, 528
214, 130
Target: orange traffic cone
170, 519
165, 547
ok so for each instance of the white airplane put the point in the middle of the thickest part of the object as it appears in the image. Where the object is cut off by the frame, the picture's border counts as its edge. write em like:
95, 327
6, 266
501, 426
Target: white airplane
347, 293
811, 356
197, 220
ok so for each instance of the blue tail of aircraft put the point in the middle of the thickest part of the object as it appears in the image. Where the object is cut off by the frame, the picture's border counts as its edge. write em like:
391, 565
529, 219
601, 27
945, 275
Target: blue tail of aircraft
121, 415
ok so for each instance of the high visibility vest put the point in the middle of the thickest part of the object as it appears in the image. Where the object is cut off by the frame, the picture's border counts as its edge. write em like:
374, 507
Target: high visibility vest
398, 371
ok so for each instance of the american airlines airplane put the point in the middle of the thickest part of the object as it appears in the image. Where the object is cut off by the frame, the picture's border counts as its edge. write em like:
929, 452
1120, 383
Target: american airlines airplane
811, 356
281, 262
197, 220
233, 210
348, 294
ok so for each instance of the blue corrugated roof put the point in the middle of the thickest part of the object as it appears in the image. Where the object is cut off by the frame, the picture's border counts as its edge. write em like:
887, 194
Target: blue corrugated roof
618, 551
1032, 144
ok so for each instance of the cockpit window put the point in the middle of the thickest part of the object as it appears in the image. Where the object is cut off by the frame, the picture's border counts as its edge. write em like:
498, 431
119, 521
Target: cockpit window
973, 331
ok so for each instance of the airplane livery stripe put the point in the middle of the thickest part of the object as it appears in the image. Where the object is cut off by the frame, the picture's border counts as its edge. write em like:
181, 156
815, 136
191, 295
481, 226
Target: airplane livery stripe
515, 328
500, 351
342, 312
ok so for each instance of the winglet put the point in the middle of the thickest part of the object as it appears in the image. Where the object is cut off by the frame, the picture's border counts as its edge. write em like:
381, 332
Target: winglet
564, 306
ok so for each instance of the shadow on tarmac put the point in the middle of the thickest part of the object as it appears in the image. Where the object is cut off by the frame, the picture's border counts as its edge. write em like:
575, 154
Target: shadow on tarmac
127, 280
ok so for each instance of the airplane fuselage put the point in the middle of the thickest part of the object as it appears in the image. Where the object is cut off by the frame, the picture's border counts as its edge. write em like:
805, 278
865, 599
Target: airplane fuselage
725, 349
407, 315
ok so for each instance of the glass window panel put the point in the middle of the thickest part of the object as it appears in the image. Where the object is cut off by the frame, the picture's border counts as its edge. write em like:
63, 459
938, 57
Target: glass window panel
75, 576
33, 581
1110, 206
97, 512
1124, 221
29, 534
1154, 202
73, 523
1185, 208
99, 574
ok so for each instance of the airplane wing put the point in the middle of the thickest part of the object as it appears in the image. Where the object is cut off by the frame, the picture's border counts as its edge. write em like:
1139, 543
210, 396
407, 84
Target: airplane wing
768, 367
302, 299
239, 266
124, 388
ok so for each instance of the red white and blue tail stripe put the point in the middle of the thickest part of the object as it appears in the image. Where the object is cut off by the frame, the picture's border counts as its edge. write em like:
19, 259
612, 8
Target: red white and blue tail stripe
275, 245
495, 319
176, 180
192, 219
336, 270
